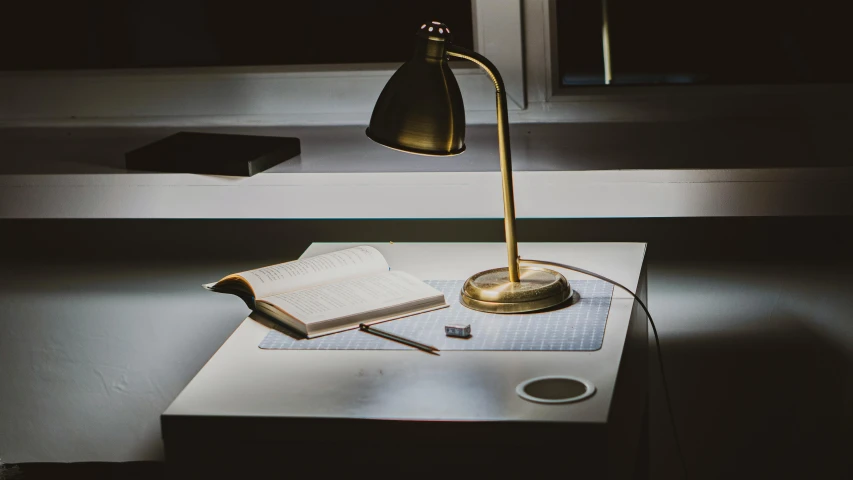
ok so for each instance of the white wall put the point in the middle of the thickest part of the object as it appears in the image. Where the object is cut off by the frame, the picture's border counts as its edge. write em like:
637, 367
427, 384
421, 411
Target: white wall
91, 355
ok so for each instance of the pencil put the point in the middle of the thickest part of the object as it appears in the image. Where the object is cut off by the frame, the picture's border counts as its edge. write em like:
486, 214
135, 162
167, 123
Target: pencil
396, 338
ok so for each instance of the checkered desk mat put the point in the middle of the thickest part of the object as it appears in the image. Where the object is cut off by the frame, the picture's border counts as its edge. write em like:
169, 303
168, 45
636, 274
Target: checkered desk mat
579, 327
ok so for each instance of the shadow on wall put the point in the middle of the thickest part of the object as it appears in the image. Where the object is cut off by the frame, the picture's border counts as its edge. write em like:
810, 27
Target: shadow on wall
760, 363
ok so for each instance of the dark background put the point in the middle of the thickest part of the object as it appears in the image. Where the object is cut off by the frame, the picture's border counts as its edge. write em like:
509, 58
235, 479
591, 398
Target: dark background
706, 41
98, 34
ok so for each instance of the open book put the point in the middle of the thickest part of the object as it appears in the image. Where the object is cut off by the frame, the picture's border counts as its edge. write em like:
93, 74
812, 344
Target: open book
332, 292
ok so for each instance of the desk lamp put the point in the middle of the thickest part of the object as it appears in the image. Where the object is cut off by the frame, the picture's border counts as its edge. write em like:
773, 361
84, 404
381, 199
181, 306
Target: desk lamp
420, 111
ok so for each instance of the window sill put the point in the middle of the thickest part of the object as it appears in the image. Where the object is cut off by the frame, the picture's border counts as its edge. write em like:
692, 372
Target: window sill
561, 171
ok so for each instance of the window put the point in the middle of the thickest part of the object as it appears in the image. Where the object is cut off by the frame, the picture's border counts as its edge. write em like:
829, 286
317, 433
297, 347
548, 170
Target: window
108, 34
287, 62
716, 42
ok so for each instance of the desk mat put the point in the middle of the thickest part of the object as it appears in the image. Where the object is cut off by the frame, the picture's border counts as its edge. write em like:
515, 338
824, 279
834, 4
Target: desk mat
579, 327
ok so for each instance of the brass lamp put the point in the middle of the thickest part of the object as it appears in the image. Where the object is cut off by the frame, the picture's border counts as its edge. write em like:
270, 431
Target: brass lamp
420, 111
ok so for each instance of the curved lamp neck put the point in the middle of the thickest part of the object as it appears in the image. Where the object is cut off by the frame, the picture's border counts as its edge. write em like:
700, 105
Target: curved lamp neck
503, 148
483, 62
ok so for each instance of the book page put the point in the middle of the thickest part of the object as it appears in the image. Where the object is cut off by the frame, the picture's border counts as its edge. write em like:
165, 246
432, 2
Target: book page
308, 272
352, 296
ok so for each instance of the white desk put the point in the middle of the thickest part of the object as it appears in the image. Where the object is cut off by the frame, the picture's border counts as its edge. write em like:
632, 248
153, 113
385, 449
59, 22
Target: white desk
251, 402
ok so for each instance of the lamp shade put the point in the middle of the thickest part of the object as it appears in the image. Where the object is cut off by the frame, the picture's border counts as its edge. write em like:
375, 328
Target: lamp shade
420, 109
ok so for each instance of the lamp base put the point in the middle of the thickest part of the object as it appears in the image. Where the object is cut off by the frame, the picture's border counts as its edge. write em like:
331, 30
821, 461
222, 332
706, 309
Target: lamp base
538, 289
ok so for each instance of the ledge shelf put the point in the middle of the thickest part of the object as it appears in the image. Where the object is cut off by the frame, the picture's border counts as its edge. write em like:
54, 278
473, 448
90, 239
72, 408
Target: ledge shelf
561, 171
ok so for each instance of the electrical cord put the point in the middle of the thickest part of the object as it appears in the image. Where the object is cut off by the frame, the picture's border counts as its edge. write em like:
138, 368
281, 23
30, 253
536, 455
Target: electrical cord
657, 343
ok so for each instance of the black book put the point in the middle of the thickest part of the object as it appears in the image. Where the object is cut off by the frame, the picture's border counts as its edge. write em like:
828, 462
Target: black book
213, 154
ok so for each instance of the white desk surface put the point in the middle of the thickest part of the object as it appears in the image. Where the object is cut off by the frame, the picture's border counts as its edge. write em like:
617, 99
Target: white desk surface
241, 380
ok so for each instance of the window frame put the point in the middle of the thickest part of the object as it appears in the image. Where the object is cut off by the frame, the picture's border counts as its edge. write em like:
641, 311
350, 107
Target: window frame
281, 95
656, 102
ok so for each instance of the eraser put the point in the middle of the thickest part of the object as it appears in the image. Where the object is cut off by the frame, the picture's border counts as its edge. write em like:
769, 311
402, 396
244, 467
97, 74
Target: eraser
461, 331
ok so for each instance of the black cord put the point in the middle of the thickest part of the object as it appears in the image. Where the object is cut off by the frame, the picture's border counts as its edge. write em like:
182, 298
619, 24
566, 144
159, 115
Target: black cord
657, 344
